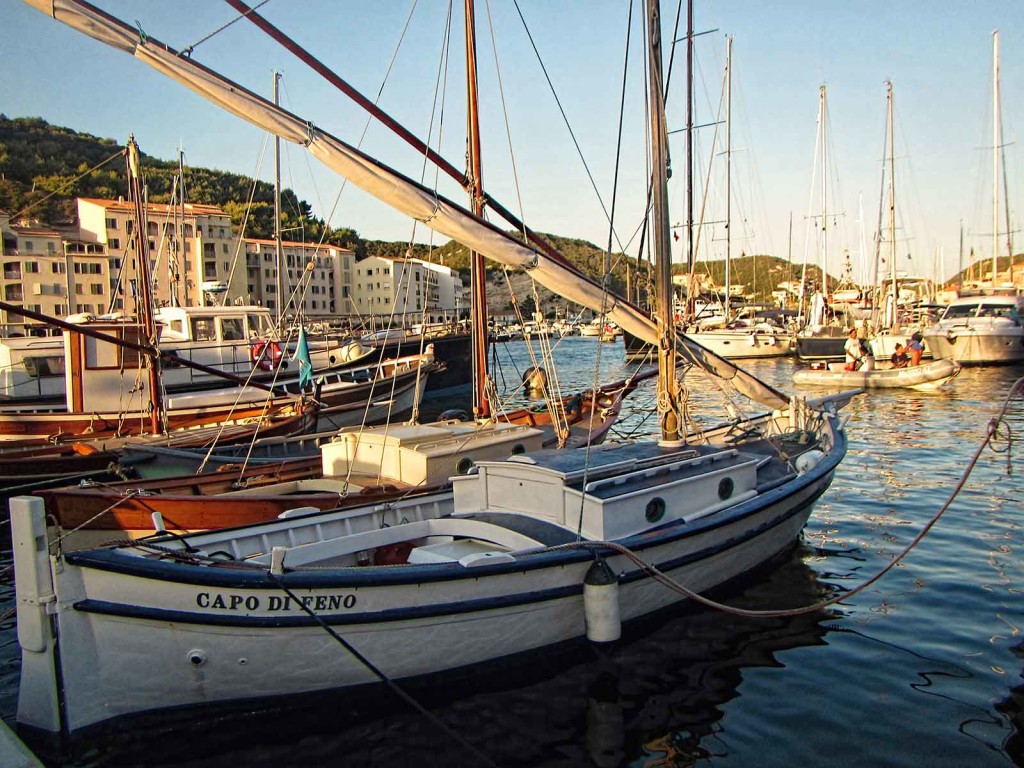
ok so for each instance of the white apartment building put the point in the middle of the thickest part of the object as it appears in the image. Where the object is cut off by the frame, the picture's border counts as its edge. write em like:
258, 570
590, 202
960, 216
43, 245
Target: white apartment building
192, 251
51, 271
315, 279
409, 289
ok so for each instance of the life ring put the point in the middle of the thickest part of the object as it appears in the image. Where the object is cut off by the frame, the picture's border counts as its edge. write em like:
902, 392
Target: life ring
265, 354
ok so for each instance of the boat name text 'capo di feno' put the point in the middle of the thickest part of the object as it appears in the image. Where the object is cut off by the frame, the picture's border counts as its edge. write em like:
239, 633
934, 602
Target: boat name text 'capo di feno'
219, 601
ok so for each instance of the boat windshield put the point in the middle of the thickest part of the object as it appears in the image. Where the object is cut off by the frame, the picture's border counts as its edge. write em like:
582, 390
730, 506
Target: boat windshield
961, 311
260, 325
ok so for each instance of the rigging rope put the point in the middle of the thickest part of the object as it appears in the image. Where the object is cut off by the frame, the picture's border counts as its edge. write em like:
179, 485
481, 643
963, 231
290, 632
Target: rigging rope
187, 51
565, 117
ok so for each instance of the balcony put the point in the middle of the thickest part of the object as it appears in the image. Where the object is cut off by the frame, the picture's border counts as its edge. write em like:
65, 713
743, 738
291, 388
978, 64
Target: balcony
13, 293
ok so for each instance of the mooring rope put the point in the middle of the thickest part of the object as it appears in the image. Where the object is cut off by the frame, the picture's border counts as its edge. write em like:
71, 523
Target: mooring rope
397, 689
993, 433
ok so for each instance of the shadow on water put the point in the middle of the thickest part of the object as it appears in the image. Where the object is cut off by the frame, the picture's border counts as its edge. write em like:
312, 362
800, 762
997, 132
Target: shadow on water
656, 696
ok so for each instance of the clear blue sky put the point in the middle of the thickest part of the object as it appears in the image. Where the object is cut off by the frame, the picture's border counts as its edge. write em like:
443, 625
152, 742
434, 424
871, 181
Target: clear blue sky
937, 53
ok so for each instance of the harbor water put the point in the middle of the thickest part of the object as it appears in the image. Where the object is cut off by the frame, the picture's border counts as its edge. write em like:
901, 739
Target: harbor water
922, 668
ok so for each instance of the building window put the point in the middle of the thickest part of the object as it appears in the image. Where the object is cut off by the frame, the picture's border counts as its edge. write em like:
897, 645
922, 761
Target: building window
114, 243
224, 247
96, 290
29, 246
112, 224
30, 266
51, 248
79, 289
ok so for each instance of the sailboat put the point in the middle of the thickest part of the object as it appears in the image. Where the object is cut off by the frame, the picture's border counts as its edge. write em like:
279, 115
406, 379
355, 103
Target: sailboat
897, 307
823, 336
525, 552
747, 338
986, 329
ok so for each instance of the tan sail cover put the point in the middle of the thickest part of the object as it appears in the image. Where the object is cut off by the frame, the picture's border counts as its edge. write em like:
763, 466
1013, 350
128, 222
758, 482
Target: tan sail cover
391, 187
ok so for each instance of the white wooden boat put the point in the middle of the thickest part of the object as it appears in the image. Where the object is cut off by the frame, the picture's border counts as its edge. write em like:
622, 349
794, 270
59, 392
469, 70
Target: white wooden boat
928, 376
461, 578
523, 553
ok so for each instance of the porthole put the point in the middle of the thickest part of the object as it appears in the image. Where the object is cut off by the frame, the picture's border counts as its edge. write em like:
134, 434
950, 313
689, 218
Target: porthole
725, 488
518, 449
655, 509
464, 466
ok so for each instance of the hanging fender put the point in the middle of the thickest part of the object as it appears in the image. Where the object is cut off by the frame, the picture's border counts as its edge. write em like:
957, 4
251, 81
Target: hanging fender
265, 354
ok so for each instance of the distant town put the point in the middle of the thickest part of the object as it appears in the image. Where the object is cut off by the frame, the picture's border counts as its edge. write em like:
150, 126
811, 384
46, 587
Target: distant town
197, 258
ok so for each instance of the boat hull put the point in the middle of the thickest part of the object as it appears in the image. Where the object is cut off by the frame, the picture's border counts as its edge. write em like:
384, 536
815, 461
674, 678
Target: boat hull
978, 346
186, 635
744, 344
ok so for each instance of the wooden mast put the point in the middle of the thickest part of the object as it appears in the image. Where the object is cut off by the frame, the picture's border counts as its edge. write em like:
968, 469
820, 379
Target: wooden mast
668, 390
145, 288
478, 275
278, 255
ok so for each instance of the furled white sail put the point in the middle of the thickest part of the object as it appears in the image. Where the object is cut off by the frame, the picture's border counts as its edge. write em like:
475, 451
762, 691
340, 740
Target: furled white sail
389, 186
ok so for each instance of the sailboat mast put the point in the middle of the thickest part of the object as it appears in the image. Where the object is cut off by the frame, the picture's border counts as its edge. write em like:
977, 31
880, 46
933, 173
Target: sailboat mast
668, 394
960, 258
278, 253
824, 192
179, 231
728, 175
894, 293
689, 132
996, 141
478, 283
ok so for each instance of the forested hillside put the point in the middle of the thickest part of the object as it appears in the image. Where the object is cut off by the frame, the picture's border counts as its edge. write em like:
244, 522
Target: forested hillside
44, 167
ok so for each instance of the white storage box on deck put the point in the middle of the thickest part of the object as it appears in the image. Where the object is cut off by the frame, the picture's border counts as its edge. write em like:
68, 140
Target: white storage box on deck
424, 454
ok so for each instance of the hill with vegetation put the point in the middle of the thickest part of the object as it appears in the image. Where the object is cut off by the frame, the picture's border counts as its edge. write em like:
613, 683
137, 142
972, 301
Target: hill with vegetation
44, 167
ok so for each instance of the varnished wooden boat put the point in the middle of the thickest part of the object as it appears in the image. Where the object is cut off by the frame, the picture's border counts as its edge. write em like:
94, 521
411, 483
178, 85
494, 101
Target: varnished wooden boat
239, 495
